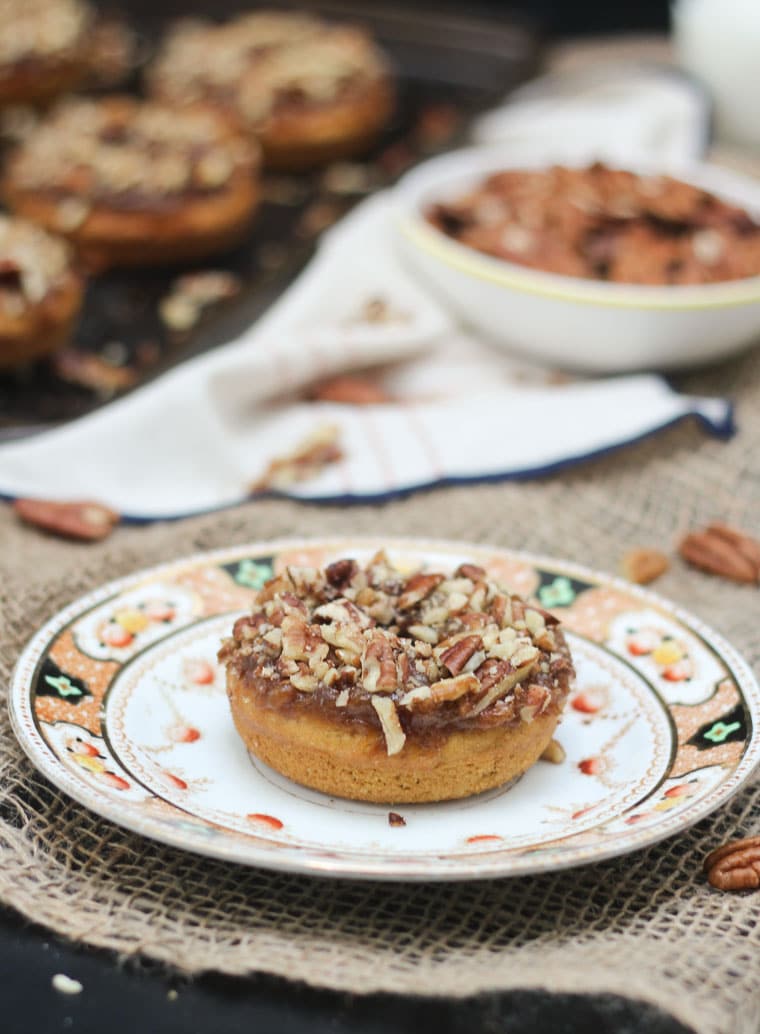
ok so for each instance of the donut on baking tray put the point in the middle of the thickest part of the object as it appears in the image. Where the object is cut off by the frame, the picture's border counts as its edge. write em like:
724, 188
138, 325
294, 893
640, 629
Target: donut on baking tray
136, 183
369, 685
42, 49
308, 91
40, 292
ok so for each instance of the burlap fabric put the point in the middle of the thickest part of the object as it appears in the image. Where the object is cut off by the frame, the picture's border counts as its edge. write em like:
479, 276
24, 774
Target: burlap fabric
646, 926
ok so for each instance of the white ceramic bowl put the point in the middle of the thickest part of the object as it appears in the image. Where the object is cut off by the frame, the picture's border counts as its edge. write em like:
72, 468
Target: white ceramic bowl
569, 321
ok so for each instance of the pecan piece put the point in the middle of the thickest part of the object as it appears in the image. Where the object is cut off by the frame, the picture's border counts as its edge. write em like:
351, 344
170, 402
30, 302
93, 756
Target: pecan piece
340, 572
351, 390
722, 551
379, 673
471, 571
417, 588
395, 737
87, 521
643, 566
745, 544
735, 866
554, 753
456, 656
306, 461
453, 689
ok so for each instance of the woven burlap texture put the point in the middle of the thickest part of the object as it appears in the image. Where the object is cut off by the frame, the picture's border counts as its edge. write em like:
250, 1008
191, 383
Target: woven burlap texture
646, 925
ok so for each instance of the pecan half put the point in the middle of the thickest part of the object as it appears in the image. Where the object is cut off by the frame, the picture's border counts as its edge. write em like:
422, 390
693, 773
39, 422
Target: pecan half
723, 551
643, 566
87, 521
379, 673
417, 588
340, 572
735, 866
471, 571
351, 390
456, 656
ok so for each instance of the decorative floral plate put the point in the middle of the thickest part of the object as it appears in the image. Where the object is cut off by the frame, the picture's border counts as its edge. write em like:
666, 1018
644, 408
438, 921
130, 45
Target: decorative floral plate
119, 701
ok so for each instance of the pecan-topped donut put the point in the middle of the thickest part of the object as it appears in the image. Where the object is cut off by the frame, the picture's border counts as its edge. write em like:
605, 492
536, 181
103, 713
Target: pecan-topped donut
42, 48
308, 91
366, 684
40, 292
130, 182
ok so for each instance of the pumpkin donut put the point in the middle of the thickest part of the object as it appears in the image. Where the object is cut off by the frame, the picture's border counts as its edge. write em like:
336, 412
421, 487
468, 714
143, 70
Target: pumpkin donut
369, 685
42, 49
40, 292
135, 183
308, 91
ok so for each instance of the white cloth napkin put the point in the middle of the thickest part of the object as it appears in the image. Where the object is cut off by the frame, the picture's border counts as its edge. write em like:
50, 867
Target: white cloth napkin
612, 112
196, 438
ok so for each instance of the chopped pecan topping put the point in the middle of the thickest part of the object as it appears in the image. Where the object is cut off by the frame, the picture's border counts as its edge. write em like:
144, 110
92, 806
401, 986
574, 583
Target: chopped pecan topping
417, 588
402, 651
379, 665
341, 572
457, 656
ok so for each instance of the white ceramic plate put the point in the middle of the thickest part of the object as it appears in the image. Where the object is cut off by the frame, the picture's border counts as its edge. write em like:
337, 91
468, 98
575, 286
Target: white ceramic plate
574, 322
120, 702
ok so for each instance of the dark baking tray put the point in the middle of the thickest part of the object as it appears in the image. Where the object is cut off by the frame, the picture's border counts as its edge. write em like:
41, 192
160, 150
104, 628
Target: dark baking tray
449, 68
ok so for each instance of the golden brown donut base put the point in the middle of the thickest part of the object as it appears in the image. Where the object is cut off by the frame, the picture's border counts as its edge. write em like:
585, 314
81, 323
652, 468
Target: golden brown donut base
37, 81
350, 761
43, 328
304, 137
110, 237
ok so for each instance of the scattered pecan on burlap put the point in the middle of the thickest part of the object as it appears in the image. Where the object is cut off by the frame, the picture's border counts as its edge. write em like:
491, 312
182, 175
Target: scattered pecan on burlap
724, 551
735, 866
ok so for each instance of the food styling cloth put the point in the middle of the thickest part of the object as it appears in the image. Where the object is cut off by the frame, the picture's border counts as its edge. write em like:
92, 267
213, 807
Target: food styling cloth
647, 925
199, 437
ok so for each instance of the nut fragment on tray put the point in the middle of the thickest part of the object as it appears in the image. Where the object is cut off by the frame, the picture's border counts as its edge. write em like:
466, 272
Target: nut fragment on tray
723, 550
310, 457
373, 684
735, 866
604, 224
192, 294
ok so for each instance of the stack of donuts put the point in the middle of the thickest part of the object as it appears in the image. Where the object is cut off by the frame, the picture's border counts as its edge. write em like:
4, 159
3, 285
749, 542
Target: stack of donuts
110, 181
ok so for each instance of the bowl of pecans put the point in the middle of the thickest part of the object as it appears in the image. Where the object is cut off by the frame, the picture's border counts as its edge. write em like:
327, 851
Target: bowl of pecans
586, 266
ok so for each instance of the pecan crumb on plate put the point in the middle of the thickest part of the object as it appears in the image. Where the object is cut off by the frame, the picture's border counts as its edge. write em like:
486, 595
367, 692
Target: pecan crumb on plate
394, 819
